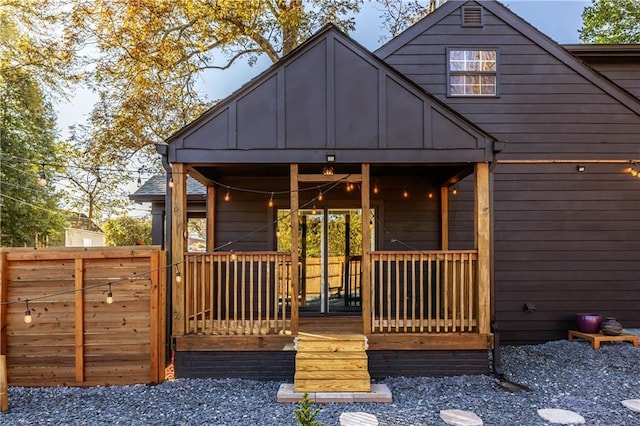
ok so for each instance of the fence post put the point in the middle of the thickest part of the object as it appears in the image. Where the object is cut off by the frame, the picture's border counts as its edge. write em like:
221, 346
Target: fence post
4, 377
79, 318
4, 384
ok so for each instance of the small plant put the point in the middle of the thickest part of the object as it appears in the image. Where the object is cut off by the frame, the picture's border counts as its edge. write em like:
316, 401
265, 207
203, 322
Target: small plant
306, 415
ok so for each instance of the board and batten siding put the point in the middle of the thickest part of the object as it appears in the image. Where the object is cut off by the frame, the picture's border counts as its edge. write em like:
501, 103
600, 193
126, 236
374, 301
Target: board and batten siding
565, 241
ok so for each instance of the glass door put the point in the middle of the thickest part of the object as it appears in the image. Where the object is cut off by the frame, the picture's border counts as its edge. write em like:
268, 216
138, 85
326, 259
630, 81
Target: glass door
330, 252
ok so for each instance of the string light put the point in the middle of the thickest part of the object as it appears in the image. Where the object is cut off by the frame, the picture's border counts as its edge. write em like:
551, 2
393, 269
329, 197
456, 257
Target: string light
271, 200
227, 196
349, 187
430, 195
405, 192
277, 232
313, 209
376, 190
171, 182
42, 179
232, 255
109, 295
27, 314
320, 195
178, 276
455, 190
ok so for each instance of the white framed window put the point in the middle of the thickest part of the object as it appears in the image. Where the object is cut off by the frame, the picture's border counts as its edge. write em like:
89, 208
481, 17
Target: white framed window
472, 72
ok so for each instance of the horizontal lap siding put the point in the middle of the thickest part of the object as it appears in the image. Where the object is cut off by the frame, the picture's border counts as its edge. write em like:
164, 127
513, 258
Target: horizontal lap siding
565, 241
412, 221
625, 74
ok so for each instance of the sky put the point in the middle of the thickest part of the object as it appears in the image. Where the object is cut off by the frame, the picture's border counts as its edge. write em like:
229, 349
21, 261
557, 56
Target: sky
559, 19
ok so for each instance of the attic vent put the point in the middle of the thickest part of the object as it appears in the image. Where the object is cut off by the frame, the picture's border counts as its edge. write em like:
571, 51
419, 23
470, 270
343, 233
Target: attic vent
472, 16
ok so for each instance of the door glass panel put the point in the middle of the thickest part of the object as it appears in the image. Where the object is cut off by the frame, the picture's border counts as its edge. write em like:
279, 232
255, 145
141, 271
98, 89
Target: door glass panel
330, 253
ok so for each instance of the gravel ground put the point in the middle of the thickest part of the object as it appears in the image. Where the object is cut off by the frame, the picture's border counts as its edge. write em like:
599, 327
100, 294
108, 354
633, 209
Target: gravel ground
563, 375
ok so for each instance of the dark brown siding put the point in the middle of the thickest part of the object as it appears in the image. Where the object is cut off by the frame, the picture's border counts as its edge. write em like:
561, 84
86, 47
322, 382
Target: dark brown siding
624, 73
545, 109
565, 241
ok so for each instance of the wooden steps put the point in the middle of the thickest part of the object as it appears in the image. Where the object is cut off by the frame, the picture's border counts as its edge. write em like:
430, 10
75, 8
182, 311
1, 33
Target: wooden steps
331, 363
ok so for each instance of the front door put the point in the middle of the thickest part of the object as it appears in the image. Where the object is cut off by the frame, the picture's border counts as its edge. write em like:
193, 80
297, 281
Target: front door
330, 252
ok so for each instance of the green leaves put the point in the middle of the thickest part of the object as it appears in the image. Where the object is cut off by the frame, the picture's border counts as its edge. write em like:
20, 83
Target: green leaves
611, 21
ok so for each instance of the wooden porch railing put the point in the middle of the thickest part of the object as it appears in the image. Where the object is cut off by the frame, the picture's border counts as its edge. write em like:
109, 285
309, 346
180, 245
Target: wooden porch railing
244, 293
424, 292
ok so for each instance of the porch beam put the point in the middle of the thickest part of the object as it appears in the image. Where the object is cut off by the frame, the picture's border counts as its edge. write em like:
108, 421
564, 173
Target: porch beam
320, 178
211, 218
178, 245
444, 218
295, 231
365, 283
483, 244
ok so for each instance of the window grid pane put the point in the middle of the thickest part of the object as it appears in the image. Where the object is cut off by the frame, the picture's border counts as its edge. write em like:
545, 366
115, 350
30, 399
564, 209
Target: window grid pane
473, 72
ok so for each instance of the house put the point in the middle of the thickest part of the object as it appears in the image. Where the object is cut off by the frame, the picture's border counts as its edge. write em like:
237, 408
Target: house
471, 174
83, 232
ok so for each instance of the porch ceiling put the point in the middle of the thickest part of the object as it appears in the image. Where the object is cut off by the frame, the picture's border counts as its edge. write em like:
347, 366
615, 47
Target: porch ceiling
434, 174
330, 95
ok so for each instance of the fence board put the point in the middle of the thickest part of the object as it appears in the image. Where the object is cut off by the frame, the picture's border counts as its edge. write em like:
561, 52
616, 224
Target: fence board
76, 338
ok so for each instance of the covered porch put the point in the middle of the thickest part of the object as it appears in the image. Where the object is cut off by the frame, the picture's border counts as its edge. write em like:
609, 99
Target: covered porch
331, 142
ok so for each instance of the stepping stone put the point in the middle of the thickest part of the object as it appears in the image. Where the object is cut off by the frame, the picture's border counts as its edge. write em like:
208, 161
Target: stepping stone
358, 419
632, 404
460, 418
561, 417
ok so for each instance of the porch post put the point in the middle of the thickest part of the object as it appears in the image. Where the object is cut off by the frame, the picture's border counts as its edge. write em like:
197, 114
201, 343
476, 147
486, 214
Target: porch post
178, 244
365, 279
483, 244
444, 218
211, 218
295, 230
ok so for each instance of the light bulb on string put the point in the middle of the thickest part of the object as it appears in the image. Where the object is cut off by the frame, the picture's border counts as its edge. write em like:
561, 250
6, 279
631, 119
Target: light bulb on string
227, 196
42, 179
277, 232
430, 195
349, 186
271, 200
454, 191
376, 190
178, 276
27, 314
171, 182
233, 256
405, 192
313, 209
320, 195
109, 295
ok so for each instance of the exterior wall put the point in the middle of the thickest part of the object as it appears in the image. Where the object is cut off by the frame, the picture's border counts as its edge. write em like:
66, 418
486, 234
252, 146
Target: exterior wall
83, 238
566, 241
625, 73
414, 221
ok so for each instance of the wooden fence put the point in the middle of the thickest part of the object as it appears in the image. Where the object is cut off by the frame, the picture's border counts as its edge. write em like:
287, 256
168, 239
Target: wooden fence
75, 337
432, 292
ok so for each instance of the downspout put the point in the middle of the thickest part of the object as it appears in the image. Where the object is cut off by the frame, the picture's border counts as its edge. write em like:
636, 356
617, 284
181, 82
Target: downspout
162, 150
498, 146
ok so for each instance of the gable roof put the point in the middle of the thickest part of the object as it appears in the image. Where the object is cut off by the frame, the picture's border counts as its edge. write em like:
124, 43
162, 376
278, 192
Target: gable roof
527, 30
330, 95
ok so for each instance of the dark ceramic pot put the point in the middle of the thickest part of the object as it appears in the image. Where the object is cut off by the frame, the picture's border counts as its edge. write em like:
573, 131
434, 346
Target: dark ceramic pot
588, 323
611, 327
